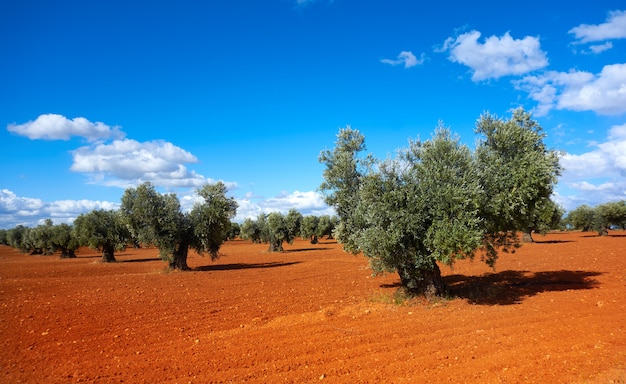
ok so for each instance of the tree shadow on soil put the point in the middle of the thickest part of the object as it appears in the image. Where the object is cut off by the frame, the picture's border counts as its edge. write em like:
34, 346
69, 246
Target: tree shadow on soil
553, 241
512, 287
306, 249
141, 260
236, 266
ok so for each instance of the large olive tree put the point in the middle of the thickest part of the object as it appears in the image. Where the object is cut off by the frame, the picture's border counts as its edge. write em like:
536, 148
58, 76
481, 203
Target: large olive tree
432, 204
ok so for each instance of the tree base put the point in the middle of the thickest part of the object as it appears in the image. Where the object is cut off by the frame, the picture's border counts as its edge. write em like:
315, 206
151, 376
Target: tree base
423, 282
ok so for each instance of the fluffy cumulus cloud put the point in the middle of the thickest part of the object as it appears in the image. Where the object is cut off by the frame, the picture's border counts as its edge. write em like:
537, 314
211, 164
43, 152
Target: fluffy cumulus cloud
497, 56
613, 28
128, 161
30, 212
58, 127
603, 93
407, 59
596, 176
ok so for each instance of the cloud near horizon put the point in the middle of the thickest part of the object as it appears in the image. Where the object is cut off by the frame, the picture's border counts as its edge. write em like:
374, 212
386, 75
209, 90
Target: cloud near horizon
497, 56
596, 176
30, 212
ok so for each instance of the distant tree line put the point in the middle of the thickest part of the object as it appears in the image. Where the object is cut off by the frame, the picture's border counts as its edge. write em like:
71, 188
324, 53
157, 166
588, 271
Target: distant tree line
275, 228
146, 218
600, 218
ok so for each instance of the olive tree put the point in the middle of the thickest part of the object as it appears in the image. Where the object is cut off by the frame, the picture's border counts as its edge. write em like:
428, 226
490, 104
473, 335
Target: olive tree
63, 239
157, 219
431, 204
309, 228
40, 238
613, 214
17, 238
250, 230
326, 226
582, 218
102, 230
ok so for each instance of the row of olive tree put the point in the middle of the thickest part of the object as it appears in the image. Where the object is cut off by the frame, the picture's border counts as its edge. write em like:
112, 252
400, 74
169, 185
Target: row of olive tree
45, 239
439, 201
599, 218
145, 217
276, 228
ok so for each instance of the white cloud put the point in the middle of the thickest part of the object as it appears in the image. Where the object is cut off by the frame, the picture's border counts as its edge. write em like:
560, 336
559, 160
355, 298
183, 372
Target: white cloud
407, 58
599, 48
307, 203
30, 212
57, 127
613, 28
597, 176
604, 93
126, 162
497, 56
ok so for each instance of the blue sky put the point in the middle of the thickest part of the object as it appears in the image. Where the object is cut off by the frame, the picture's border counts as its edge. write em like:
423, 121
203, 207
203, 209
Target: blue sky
97, 96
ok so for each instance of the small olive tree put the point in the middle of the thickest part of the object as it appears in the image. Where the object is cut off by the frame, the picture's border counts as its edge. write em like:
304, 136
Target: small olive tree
102, 230
309, 228
157, 219
63, 239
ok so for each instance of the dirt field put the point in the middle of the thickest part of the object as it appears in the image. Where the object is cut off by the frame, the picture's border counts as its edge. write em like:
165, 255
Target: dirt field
553, 312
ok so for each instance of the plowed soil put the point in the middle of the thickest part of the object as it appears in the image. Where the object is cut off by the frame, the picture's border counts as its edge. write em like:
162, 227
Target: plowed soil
552, 312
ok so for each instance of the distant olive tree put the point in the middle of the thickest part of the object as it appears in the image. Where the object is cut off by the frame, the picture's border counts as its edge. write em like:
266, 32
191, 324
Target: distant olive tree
40, 239
64, 239
250, 230
3, 237
17, 237
600, 218
611, 214
278, 231
309, 228
582, 218
153, 218
234, 232
102, 230
326, 226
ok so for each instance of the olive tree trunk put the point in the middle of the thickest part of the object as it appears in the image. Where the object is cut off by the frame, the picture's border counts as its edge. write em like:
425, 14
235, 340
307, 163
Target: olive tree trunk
527, 237
276, 246
179, 261
422, 281
68, 254
108, 254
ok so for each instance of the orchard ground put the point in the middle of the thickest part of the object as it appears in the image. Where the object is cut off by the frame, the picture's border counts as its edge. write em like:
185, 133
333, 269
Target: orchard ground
552, 312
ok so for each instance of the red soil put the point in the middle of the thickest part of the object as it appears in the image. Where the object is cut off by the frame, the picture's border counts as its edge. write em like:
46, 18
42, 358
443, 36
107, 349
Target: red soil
553, 312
